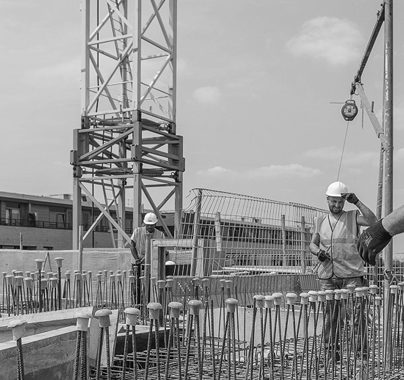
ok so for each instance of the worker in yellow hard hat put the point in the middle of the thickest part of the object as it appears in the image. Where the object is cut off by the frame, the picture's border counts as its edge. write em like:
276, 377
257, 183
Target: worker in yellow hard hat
334, 243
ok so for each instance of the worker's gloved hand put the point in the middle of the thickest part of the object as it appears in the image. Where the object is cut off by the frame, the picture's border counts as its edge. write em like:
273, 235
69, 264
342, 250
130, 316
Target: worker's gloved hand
323, 255
350, 197
139, 261
372, 241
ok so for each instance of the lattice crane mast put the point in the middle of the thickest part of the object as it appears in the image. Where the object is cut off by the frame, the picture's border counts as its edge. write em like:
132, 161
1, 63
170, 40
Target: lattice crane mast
127, 146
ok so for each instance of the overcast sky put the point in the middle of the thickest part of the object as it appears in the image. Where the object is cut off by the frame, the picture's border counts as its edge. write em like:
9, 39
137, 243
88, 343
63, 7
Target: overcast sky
256, 82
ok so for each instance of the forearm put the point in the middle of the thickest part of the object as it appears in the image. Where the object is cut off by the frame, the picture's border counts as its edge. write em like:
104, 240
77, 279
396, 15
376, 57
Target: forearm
133, 250
394, 222
314, 248
367, 214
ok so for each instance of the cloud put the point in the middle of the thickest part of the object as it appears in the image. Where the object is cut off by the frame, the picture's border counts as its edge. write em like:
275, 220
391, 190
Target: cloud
264, 172
284, 171
216, 171
207, 95
331, 153
336, 41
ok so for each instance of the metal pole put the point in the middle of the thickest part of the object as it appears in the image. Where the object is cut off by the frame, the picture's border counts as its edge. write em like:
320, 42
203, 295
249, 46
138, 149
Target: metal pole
147, 267
284, 259
303, 245
388, 176
197, 218
81, 248
379, 207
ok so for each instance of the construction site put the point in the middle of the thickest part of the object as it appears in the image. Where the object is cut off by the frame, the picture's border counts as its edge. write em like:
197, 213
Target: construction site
229, 289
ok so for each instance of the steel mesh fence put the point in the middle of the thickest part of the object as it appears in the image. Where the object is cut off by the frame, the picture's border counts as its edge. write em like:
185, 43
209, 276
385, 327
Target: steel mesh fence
240, 233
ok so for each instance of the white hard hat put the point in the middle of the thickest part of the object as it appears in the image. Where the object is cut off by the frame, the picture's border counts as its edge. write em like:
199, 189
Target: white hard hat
336, 189
150, 218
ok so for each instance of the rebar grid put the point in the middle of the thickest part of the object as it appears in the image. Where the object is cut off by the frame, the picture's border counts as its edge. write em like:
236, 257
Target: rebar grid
285, 339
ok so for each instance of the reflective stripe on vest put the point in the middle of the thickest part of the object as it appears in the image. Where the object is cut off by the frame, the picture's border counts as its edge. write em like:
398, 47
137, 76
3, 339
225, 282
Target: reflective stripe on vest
340, 243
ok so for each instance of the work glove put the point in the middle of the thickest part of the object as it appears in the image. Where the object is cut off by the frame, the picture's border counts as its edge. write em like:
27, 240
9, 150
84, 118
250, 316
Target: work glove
350, 197
139, 261
323, 255
372, 241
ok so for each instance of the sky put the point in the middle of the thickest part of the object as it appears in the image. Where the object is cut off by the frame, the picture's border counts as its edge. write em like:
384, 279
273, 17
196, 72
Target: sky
258, 83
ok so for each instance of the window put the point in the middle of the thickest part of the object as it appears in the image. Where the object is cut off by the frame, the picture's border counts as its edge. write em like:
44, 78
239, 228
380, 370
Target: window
60, 220
12, 216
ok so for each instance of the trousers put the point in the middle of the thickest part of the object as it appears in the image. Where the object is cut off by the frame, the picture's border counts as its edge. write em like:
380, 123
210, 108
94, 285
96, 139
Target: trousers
352, 312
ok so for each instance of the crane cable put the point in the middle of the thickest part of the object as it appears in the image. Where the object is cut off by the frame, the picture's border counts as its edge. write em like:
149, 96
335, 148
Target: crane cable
343, 150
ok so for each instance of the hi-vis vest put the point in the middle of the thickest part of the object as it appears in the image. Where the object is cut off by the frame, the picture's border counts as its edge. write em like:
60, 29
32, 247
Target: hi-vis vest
139, 237
339, 240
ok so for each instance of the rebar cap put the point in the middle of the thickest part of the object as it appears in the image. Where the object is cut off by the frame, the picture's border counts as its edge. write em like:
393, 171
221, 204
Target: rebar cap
259, 301
313, 296
231, 304
222, 283
10, 279
194, 306
359, 291
175, 309
269, 302
374, 289
161, 284
29, 282
277, 298
304, 298
401, 285
54, 282
291, 298
393, 289
169, 283
351, 288
329, 294
344, 294
196, 281
132, 315
321, 296
378, 300
67, 275
82, 321
337, 294
154, 310
19, 280
18, 327
103, 317
59, 261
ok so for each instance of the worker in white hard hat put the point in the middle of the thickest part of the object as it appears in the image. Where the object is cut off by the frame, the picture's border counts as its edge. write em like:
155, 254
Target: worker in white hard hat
138, 248
334, 243
138, 238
